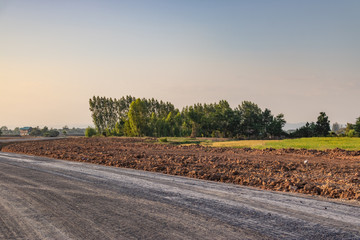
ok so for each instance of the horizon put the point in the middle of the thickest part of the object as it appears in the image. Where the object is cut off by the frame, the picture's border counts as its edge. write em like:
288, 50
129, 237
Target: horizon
295, 58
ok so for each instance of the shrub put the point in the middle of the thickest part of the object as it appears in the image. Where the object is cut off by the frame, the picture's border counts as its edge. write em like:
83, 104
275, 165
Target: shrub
51, 133
89, 132
351, 133
163, 140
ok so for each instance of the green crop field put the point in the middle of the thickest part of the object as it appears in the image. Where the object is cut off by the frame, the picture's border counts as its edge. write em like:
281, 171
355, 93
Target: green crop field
320, 143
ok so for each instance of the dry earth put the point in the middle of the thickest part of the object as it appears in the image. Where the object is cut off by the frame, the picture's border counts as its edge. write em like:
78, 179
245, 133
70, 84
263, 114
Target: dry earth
330, 173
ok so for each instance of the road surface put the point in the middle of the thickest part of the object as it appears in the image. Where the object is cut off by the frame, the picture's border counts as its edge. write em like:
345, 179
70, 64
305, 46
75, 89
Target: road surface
43, 198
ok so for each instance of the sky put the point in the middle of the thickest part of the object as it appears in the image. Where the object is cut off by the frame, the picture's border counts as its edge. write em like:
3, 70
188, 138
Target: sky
294, 57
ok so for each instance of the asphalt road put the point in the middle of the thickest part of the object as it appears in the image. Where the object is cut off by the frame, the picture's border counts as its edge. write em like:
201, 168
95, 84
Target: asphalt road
43, 198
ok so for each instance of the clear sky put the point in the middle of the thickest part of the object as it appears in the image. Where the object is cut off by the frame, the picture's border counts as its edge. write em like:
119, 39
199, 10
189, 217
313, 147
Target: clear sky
293, 57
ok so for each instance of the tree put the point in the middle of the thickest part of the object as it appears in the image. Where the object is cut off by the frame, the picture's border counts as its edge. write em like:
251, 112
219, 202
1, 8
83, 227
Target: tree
322, 128
223, 117
89, 132
276, 125
16, 131
251, 119
195, 114
4, 130
357, 126
305, 131
52, 133
35, 132
138, 118
44, 131
130, 116
0, 132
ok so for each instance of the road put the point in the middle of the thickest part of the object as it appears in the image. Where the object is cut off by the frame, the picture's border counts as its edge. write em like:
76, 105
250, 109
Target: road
43, 198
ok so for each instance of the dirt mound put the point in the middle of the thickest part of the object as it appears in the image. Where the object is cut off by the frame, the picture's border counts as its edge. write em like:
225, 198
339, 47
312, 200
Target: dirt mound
331, 173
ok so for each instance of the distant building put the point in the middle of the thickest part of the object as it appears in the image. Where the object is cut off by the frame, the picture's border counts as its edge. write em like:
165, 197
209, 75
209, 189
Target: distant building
25, 131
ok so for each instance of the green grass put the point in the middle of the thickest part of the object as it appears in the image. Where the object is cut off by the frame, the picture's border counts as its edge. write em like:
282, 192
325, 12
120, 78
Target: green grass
318, 143
307, 143
184, 141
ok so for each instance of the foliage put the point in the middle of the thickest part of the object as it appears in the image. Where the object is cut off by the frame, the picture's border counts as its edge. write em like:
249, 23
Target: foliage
322, 127
252, 121
45, 132
138, 118
51, 133
66, 131
89, 132
357, 126
351, 133
131, 116
36, 132
348, 128
319, 129
6, 131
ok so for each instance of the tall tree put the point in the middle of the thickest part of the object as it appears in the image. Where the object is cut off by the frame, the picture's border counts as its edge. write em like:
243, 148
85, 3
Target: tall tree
138, 118
251, 119
195, 114
276, 125
357, 126
322, 128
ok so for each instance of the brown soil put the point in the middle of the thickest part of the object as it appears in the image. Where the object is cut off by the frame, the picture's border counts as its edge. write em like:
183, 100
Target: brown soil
330, 173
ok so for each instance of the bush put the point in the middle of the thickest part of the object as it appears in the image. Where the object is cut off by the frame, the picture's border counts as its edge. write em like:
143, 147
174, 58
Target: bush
351, 133
163, 140
89, 132
51, 133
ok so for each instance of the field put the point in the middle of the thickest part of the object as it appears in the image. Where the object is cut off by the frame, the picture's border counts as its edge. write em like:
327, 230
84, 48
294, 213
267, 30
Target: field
301, 143
330, 173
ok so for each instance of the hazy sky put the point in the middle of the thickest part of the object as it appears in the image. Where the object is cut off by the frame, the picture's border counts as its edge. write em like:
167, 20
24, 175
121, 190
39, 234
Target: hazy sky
293, 57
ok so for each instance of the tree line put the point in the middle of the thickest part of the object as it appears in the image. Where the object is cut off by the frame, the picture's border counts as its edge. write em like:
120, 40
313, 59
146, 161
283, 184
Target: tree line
46, 132
321, 128
130, 116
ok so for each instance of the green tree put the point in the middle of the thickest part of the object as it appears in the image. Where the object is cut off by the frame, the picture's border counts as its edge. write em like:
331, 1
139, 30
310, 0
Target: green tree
276, 125
138, 118
16, 131
349, 127
35, 132
251, 119
357, 126
195, 114
351, 133
4, 129
322, 128
52, 133
45, 131
89, 132
223, 119
305, 131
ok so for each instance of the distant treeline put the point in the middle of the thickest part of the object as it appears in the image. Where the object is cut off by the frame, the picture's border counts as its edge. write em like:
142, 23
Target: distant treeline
45, 132
130, 116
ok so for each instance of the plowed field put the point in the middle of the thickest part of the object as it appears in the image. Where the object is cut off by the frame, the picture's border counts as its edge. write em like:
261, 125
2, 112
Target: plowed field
330, 173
